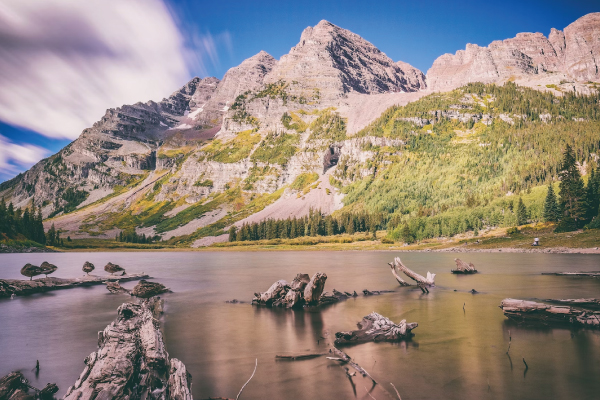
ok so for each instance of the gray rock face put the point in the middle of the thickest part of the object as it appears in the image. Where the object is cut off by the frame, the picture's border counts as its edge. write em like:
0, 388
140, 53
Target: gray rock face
336, 61
573, 53
582, 48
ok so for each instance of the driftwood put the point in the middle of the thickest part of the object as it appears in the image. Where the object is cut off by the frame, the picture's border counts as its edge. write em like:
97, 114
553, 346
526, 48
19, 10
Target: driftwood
591, 274
346, 359
302, 291
376, 328
298, 357
15, 386
115, 287
22, 287
593, 304
463, 268
427, 281
401, 281
531, 312
132, 362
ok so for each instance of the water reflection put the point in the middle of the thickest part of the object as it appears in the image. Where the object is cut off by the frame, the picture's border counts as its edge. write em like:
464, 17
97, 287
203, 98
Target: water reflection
456, 353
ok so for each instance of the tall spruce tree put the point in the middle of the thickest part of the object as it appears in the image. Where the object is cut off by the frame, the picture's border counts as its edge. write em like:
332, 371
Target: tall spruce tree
551, 211
591, 195
572, 192
521, 213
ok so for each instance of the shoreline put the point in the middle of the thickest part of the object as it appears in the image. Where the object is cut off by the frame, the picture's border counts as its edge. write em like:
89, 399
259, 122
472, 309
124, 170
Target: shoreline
454, 249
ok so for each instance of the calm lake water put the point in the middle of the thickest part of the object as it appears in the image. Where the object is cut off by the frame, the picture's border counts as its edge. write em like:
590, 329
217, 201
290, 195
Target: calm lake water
454, 354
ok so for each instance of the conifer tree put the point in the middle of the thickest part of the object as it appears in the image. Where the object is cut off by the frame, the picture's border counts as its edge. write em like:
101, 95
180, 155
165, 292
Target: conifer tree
572, 192
521, 212
551, 212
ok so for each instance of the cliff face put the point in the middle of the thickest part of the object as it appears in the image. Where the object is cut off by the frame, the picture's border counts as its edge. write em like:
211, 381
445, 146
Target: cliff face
571, 55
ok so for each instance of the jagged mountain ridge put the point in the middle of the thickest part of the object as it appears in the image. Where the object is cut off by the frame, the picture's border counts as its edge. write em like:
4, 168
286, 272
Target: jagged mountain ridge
565, 59
161, 147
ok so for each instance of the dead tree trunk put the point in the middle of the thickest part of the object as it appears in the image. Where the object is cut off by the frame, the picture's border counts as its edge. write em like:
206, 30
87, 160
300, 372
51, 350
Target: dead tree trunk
376, 328
429, 281
463, 268
345, 358
18, 287
132, 351
592, 304
314, 289
531, 312
590, 274
401, 281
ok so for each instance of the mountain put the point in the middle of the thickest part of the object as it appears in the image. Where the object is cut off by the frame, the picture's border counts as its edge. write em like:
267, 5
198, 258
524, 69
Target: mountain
565, 60
333, 124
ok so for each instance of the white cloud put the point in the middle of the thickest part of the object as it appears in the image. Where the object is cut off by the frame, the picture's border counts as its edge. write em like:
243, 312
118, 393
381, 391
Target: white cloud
64, 62
13, 157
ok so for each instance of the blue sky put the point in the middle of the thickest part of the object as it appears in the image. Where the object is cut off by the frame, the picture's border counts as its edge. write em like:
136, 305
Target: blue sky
59, 74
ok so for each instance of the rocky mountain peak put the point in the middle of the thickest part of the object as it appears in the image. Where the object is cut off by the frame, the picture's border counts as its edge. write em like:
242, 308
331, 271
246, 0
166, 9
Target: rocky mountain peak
337, 61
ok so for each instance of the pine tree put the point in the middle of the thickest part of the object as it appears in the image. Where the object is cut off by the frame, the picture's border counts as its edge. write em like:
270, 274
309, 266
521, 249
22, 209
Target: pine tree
591, 195
572, 192
551, 212
521, 213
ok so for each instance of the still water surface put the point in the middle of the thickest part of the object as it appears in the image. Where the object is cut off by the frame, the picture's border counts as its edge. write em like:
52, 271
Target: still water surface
454, 354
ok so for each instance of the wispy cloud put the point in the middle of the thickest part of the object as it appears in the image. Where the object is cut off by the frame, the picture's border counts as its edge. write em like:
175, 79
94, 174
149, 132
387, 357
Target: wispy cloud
14, 157
63, 62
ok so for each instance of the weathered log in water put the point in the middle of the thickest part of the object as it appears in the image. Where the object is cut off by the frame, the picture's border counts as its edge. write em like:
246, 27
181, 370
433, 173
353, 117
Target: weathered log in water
132, 361
593, 304
294, 295
401, 281
376, 328
299, 357
146, 290
15, 386
346, 359
115, 287
590, 274
531, 312
463, 268
420, 279
23, 287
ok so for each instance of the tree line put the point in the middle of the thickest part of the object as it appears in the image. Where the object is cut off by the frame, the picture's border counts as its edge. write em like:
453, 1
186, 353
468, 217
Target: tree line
16, 223
314, 224
578, 204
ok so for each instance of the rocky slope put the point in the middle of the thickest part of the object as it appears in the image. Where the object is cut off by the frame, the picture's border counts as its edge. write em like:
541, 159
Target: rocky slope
566, 59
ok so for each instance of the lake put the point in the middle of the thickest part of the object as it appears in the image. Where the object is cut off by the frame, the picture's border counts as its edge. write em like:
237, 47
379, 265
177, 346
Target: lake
456, 353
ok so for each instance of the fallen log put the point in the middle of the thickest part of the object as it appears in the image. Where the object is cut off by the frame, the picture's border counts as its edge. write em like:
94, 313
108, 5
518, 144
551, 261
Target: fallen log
132, 362
346, 359
115, 287
463, 268
23, 287
301, 292
590, 274
429, 280
401, 281
376, 328
298, 357
531, 312
593, 304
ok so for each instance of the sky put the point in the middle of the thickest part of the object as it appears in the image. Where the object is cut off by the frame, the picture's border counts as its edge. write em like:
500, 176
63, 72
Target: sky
64, 62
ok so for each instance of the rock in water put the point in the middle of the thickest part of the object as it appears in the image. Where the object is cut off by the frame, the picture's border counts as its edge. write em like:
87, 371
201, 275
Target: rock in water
132, 362
145, 289
113, 268
115, 287
377, 328
48, 268
31, 270
88, 267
